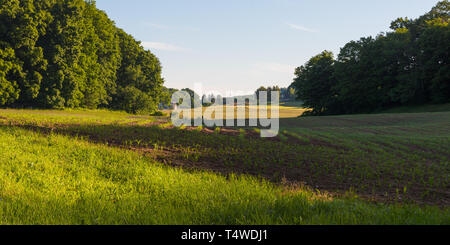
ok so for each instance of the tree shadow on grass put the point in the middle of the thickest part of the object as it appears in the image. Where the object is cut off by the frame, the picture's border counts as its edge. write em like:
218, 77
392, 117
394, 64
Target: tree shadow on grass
287, 162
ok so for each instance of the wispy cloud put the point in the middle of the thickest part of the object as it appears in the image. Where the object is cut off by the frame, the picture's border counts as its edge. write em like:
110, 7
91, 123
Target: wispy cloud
162, 46
301, 28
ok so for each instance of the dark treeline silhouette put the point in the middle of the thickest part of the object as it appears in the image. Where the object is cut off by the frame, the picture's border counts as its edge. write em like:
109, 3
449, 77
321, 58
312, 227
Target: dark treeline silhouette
69, 54
286, 94
406, 66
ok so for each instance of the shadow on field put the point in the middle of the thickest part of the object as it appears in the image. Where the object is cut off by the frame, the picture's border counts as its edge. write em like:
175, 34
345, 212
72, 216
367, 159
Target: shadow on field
287, 160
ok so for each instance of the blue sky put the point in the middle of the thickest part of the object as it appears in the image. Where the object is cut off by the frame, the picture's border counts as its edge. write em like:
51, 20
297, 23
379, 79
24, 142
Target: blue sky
239, 45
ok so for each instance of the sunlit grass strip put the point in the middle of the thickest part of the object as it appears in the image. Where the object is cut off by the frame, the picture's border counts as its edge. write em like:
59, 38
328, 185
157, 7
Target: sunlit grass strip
72, 117
62, 180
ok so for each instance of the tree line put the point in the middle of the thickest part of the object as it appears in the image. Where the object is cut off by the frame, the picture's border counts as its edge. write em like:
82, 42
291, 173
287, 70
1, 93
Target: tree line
285, 94
69, 54
408, 65
206, 100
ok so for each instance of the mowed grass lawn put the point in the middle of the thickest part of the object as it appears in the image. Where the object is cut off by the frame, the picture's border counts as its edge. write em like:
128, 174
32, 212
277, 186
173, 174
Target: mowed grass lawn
99, 167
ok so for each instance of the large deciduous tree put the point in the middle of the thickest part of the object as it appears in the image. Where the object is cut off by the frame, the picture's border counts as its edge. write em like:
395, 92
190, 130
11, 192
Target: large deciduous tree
314, 82
67, 53
407, 66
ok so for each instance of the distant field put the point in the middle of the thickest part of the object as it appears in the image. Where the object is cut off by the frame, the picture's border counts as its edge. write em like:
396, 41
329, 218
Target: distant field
285, 111
101, 167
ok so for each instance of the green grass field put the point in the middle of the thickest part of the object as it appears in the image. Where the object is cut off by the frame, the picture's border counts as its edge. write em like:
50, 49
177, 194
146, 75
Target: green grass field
101, 167
421, 108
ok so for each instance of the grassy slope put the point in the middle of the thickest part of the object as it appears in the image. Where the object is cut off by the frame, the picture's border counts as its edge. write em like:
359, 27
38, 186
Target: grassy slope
47, 178
62, 180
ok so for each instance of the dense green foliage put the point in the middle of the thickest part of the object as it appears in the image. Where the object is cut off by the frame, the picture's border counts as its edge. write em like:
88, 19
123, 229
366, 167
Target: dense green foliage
69, 54
407, 66
268, 91
166, 97
195, 98
286, 94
